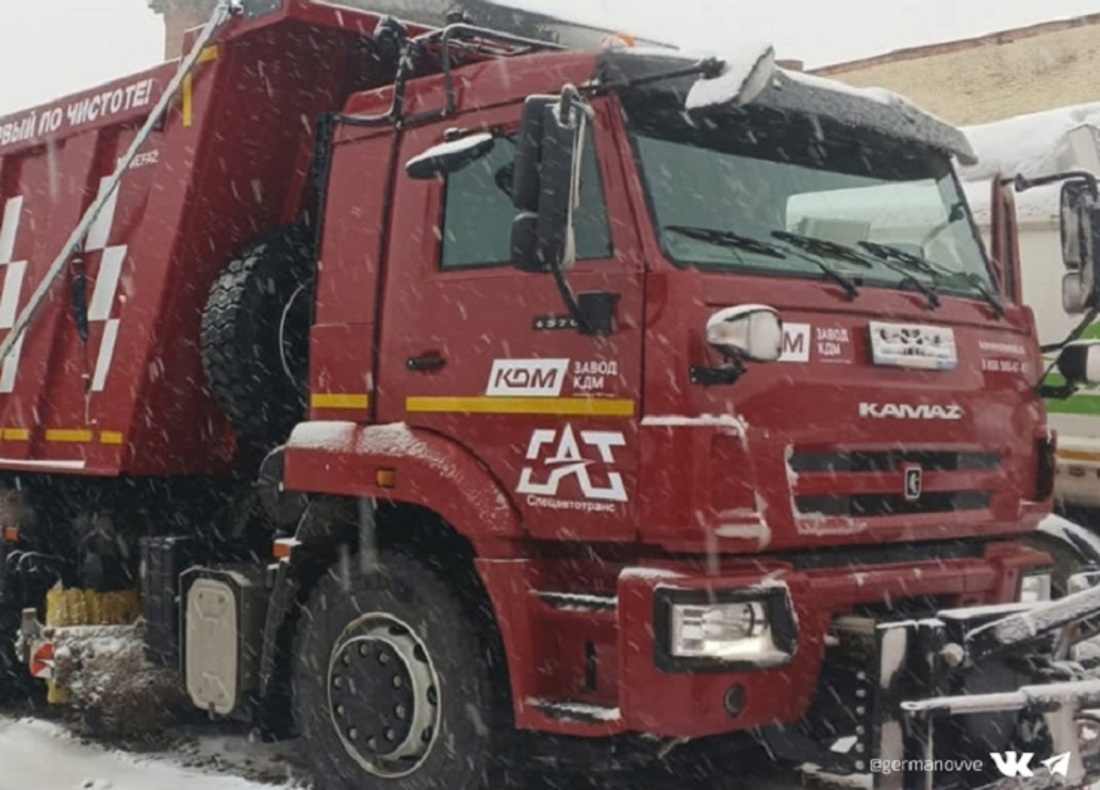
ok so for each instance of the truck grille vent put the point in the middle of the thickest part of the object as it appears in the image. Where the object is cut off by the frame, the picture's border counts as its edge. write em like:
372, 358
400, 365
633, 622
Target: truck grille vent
866, 505
893, 460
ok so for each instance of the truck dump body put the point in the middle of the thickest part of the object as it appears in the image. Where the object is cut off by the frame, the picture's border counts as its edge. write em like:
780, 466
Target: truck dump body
231, 160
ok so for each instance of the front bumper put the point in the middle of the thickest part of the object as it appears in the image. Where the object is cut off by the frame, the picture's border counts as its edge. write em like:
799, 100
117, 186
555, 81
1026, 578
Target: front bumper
689, 701
587, 637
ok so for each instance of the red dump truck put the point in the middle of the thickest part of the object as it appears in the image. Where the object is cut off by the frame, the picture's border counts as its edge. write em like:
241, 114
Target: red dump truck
419, 386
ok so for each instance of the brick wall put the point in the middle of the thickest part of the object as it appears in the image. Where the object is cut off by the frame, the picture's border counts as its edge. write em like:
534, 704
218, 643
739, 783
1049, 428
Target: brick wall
179, 17
992, 77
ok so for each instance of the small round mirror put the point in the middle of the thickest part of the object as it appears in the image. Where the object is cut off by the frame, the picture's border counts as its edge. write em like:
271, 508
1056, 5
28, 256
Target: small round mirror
450, 157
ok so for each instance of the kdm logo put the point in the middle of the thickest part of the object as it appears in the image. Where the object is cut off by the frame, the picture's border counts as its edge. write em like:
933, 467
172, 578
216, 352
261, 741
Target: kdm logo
907, 411
570, 461
527, 378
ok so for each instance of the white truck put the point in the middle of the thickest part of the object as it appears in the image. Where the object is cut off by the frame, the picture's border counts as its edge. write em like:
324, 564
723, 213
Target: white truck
1034, 146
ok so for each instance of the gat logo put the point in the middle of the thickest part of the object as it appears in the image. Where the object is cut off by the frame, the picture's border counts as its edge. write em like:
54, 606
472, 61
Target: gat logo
527, 378
568, 461
796, 343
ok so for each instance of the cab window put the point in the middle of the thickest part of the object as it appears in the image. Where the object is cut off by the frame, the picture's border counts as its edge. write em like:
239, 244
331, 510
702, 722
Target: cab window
478, 211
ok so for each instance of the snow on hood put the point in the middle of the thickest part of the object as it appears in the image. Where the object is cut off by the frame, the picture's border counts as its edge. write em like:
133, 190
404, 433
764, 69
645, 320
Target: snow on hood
1031, 145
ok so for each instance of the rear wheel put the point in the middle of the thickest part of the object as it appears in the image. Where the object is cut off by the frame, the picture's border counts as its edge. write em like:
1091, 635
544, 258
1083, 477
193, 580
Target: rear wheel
395, 685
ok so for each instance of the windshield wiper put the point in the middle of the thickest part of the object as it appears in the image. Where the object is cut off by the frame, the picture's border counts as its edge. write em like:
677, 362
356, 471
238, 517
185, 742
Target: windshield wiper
728, 238
843, 252
732, 240
941, 273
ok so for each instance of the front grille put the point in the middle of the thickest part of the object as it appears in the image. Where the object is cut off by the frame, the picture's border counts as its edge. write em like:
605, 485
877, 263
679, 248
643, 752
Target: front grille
864, 505
849, 496
893, 460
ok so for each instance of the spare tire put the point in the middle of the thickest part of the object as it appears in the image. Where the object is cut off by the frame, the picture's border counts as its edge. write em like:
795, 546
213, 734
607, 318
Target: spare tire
255, 337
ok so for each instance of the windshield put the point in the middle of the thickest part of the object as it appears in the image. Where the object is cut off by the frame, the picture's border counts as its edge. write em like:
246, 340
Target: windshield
765, 180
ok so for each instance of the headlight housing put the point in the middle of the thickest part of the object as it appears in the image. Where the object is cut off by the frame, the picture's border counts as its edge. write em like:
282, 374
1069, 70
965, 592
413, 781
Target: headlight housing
1035, 587
724, 631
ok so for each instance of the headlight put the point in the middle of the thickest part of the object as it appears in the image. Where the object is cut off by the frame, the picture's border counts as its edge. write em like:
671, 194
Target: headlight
719, 631
1035, 587
724, 630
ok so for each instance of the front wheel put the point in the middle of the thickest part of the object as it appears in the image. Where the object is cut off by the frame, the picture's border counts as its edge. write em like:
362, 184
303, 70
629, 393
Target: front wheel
397, 685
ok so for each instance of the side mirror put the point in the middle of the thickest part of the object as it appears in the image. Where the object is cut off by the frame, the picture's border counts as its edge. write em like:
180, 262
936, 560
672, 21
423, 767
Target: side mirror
547, 183
449, 157
751, 333
1079, 362
1075, 293
1081, 285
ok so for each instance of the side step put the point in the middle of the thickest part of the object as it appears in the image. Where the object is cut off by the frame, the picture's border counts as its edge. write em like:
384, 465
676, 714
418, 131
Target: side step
579, 712
577, 602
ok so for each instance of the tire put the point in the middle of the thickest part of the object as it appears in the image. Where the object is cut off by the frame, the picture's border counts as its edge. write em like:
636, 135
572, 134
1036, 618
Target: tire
242, 347
449, 690
1073, 548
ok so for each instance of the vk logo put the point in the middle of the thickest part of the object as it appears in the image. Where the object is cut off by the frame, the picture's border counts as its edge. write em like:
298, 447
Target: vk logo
1017, 765
1013, 764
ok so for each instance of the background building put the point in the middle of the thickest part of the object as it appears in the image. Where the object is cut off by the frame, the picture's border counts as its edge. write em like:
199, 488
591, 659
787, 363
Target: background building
971, 81
179, 17
991, 77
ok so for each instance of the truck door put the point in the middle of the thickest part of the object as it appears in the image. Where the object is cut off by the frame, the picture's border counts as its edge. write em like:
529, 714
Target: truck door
485, 354
342, 338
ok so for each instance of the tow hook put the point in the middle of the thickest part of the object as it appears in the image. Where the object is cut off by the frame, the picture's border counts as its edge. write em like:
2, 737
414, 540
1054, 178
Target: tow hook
30, 631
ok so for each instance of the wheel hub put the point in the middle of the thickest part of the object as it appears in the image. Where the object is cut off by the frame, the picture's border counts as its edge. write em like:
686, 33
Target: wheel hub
383, 696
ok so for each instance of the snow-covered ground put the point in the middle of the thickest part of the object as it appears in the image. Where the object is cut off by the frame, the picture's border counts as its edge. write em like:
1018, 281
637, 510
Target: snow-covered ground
45, 756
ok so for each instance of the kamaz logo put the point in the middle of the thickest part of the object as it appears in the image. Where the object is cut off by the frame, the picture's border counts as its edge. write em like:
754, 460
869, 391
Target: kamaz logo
908, 411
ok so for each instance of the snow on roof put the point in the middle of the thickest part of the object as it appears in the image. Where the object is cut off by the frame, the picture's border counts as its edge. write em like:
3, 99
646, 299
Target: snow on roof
744, 74
1031, 144
873, 110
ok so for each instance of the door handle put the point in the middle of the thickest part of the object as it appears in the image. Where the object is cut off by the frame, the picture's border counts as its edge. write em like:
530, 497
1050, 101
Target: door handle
426, 363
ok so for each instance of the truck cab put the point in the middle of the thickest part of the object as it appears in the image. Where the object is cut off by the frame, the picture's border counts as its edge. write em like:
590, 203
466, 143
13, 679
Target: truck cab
761, 391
